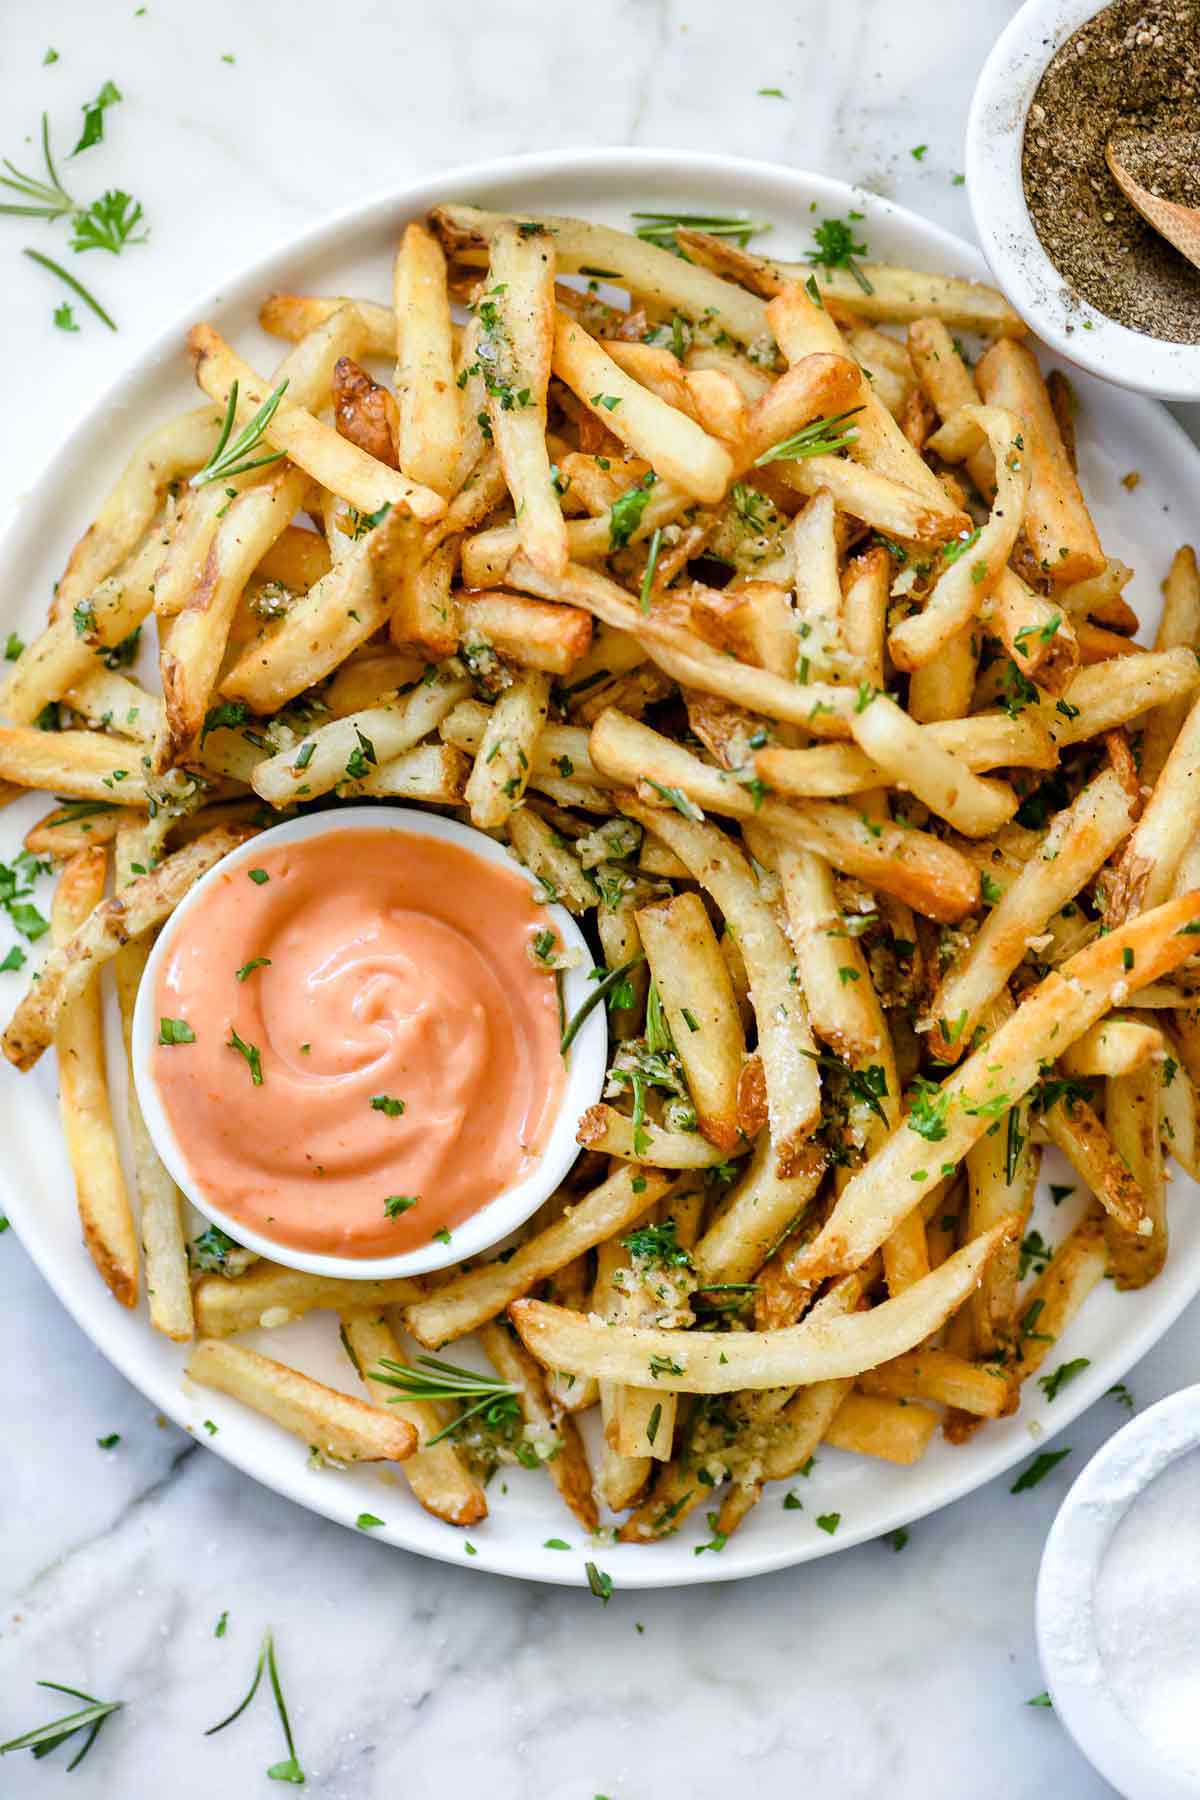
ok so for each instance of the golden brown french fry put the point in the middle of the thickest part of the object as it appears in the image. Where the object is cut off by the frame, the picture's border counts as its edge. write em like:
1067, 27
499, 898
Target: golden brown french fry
1079, 840
679, 449
533, 633
312, 445
434, 1472
69, 968
1048, 1307
269, 1295
505, 757
785, 1042
1114, 1047
296, 316
1132, 1111
160, 1204
84, 1106
476, 1295
1078, 1133
330, 622
760, 1209
873, 1425
516, 339
1057, 522
605, 1129
1038, 635
946, 382
194, 643
701, 1008
74, 827
912, 758
352, 746
962, 588
992, 1080
987, 740
336, 1424
430, 431
87, 765
177, 447
932, 1374
1168, 826
1179, 626
1109, 694
564, 1455
818, 1349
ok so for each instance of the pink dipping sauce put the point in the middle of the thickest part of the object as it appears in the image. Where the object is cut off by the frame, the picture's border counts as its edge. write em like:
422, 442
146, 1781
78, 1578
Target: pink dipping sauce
399, 970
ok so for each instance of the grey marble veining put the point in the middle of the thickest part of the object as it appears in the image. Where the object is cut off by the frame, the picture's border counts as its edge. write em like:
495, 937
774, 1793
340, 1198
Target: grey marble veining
866, 1672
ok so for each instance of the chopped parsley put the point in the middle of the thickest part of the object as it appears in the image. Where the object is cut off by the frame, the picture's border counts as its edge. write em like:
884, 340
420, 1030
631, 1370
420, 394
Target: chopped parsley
175, 1031
385, 1103
1038, 1469
251, 1053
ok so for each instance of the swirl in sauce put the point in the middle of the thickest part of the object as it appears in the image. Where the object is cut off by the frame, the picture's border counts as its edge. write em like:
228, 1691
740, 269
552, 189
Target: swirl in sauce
398, 971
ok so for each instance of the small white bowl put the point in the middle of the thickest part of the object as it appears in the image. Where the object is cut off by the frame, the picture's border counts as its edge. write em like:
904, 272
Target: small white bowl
1040, 293
586, 1060
1067, 1631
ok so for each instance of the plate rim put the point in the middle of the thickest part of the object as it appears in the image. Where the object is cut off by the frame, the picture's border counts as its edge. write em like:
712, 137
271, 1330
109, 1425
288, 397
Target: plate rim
168, 1391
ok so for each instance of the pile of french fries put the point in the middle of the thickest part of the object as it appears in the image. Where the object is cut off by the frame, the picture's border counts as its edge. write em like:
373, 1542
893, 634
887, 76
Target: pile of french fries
777, 640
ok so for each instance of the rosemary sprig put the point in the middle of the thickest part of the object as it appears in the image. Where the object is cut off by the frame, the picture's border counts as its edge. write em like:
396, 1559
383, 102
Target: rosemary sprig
651, 566
50, 198
600, 992
821, 438
289, 1769
45, 1738
660, 227
76, 287
228, 459
434, 1379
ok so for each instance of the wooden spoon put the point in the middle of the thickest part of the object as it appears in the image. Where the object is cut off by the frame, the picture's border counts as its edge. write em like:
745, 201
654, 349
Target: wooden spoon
1180, 225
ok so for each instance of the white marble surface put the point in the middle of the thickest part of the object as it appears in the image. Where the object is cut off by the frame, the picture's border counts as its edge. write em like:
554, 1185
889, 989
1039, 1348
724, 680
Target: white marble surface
867, 1670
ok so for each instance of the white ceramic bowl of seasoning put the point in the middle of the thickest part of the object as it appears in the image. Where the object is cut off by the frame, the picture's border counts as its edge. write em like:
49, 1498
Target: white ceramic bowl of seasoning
583, 1073
1115, 1594
1040, 293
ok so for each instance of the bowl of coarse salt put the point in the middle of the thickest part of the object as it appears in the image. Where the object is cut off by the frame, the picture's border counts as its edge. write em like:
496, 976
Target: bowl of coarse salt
1118, 1605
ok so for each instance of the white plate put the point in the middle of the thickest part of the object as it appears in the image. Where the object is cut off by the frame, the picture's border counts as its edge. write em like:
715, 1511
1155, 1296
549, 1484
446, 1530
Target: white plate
351, 254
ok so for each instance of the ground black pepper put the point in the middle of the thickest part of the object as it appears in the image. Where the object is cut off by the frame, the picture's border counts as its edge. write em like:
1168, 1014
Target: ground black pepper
1135, 67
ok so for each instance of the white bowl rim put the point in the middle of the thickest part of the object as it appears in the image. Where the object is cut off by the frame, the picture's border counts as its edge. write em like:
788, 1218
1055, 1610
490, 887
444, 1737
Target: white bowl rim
995, 130
586, 1059
1075, 1549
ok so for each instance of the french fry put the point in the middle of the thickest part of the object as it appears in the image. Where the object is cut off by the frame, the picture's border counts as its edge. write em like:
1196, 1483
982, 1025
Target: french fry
1038, 635
1057, 522
516, 341
1002, 1172
160, 1204
912, 758
115, 703
75, 826
354, 745
297, 558
70, 966
330, 622
760, 1210
1076, 1130
701, 1008
1146, 872
556, 866
681, 452
605, 1129
473, 1296
430, 432
365, 411
961, 589
785, 1041
1099, 598
269, 1295
567, 1465
932, 1374
864, 612
502, 765
992, 1080
1098, 699
86, 765
434, 773
312, 445
650, 273
529, 632
194, 644
1048, 1307
1179, 627
84, 1106
987, 740
1114, 1047
818, 1349
296, 316
802, 327
336, 1424
873, 1425
1079, 840
1132, 1115
435, 1472
946, 382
